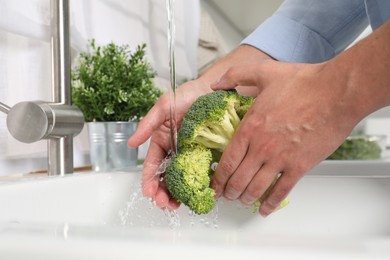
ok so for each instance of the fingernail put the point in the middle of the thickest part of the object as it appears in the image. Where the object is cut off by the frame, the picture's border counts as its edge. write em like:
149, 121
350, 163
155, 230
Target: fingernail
217, 190
231, 194
247, 199
265, 210
214, 84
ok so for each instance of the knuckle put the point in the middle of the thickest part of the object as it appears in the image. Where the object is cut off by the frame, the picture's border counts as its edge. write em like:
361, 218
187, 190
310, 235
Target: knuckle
255, 190
276, 197
227, 168
231, 74
301, 167
251, 123
235, 185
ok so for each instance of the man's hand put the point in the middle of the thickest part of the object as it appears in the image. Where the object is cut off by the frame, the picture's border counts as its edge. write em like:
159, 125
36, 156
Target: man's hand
299, 117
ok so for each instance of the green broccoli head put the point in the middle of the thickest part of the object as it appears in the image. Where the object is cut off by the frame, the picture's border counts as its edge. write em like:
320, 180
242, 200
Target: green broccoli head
203, 201
188, 178
212, 119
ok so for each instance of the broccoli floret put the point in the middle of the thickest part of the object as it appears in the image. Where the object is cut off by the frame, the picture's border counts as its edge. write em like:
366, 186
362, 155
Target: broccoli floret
188, 179
212, 119
203, 201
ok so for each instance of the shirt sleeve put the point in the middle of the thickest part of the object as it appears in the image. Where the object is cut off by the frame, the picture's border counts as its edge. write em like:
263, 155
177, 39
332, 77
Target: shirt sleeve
310, 31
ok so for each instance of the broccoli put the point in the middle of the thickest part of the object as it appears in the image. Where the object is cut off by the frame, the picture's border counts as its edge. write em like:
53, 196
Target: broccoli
357, 148
212, 119
206, 129
188, 178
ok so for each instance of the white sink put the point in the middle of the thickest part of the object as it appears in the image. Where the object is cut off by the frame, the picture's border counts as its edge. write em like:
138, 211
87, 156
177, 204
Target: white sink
339, 210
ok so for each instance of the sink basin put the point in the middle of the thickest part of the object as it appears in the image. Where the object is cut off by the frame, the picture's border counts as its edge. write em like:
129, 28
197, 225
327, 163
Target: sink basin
339, 210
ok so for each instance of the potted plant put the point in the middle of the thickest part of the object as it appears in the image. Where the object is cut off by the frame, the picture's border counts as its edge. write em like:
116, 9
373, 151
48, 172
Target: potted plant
114, 89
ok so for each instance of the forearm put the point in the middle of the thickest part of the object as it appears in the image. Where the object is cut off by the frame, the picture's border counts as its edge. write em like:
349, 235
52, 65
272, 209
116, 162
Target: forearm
364, 70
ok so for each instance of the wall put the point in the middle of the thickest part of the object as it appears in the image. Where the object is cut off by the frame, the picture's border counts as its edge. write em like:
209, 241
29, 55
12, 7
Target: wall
236, 19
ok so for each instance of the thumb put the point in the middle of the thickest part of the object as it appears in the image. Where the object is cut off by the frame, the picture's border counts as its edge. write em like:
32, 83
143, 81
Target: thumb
141, 135
246, 75
151, 122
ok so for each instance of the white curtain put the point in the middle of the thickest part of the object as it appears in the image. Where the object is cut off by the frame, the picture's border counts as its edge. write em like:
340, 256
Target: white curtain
25, 55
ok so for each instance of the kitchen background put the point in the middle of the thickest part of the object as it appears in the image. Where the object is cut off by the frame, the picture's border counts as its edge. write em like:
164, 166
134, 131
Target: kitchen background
205, 31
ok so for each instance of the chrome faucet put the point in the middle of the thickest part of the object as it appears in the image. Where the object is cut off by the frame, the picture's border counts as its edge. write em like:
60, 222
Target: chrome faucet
57, 121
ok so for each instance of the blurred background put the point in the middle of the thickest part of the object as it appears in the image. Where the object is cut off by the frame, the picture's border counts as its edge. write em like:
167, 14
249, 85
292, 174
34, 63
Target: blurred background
205, 31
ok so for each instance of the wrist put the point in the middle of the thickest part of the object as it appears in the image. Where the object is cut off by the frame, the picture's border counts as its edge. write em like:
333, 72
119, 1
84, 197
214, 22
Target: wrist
365, 70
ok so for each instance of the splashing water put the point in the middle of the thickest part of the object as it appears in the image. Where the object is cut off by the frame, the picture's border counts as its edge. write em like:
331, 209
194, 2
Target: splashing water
126, 214
139, 211
173, 218
164, 164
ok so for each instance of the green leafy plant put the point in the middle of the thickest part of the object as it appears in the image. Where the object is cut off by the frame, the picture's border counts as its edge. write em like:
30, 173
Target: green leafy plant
111, 83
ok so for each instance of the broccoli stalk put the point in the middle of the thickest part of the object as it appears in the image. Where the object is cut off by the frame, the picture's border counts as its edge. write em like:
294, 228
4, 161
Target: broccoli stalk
215, 136
212, 120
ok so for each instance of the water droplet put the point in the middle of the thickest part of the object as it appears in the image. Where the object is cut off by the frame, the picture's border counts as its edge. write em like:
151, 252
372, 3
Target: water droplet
173, 218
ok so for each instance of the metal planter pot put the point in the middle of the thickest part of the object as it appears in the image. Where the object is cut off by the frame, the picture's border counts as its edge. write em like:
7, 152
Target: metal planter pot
108, 146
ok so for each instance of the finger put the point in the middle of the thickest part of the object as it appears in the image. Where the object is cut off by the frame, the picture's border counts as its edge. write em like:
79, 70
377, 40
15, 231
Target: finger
248, 75
153, 159
173, 204
151, 122
278, 193
229, 162
150, 181
242, 177
259, 184
163, 200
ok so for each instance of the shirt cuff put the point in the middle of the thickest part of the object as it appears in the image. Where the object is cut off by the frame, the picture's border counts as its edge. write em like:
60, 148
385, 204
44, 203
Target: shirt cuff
287, 40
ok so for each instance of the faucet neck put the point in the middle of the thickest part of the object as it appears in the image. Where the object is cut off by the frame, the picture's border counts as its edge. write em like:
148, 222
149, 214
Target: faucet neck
60, 49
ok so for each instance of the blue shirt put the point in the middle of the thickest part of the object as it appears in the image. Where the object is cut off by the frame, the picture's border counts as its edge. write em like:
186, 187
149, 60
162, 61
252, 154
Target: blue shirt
313, 31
